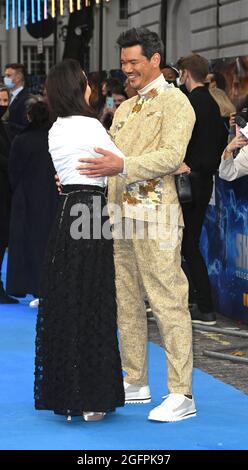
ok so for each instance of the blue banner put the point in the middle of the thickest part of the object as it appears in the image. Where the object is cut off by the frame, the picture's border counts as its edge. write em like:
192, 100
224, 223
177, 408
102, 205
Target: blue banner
224, 244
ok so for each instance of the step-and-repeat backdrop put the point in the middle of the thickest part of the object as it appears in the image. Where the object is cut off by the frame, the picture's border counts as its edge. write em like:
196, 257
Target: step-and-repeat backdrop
224, 245
224, 240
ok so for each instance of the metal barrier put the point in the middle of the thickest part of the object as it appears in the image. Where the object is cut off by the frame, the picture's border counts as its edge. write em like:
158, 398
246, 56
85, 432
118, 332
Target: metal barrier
219, 354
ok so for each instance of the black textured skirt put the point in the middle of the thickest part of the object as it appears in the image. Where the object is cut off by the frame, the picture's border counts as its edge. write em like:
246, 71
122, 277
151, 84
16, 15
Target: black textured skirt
77, 363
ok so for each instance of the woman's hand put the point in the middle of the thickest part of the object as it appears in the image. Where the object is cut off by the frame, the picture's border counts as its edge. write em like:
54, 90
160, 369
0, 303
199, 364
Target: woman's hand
237, 143
182, 169
232, 119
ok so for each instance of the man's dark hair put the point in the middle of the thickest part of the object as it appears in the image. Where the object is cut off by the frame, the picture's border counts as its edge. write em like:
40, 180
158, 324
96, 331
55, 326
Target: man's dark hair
19, 67
196, 64
65, 89
148, 40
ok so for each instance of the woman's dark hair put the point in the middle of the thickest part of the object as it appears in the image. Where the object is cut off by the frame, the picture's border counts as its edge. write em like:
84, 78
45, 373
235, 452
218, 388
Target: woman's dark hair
111, 83
4, 88
148, 40
38, 114
96, 99
119, 90
65, 89
220, 80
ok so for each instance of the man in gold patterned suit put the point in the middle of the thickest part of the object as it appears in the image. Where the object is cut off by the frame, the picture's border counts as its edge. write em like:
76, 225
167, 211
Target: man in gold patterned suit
152, 130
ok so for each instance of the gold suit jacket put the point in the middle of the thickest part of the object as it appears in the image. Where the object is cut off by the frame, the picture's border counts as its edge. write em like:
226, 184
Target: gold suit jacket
154, 139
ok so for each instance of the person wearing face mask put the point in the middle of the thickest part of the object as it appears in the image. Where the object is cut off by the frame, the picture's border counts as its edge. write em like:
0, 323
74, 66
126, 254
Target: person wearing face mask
4, 101
14, 80
171, 74
4, 190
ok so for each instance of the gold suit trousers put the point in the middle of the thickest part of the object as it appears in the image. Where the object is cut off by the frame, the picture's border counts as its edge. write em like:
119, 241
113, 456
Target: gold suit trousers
147, 266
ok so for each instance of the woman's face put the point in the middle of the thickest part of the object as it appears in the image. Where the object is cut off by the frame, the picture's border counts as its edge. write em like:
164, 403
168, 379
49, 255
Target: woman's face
4, 98
87, 94
104, 89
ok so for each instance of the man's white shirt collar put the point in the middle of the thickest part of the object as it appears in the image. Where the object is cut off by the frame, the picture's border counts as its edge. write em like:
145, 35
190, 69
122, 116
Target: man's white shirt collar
14, 93
158, 82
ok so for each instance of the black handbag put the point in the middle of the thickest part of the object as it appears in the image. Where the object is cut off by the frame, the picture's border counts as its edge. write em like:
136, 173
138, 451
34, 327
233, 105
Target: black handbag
184, 189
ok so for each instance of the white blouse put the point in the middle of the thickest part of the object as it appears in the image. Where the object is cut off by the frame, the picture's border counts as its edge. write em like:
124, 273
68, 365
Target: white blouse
75, 137
234, 168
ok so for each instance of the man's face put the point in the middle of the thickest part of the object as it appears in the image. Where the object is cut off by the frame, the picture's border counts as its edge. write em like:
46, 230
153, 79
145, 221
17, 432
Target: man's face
139, 70
15, 76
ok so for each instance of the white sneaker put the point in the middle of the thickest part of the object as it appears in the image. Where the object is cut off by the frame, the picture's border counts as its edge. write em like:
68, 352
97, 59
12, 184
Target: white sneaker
136, 394
34, 303
174, 408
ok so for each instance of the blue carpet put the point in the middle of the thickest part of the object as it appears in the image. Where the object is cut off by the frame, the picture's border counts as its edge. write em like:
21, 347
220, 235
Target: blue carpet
221, 423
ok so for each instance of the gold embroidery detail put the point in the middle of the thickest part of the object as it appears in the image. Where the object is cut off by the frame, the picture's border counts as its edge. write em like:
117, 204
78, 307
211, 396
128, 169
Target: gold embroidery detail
130, 199
150, 186
143, 99
152, 93
145, 193
137, 107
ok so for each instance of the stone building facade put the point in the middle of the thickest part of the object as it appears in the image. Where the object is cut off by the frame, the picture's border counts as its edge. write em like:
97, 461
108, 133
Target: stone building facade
213, 28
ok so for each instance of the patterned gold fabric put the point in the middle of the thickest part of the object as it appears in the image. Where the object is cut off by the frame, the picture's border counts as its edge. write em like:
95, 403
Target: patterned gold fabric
141, 265
154, 137
154, 141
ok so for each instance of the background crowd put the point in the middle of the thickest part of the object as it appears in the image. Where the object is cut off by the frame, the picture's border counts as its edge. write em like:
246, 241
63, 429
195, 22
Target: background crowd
28, 195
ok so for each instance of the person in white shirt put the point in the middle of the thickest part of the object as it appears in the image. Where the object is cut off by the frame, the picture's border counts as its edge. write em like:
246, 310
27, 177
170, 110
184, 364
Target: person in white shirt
78, 367
232, 168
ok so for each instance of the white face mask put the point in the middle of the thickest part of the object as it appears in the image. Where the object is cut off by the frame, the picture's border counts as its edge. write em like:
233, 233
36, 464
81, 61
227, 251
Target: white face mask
8, 82
178, 81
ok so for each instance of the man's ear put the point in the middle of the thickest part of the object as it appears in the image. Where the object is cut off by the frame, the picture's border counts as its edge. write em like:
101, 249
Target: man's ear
187, 74
17, 75
155, 60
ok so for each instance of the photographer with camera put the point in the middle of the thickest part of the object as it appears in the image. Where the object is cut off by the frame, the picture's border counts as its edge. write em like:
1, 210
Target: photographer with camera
232, 167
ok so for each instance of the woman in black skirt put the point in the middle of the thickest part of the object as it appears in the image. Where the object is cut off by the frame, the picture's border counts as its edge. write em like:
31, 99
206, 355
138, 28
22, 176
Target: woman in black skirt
77, 365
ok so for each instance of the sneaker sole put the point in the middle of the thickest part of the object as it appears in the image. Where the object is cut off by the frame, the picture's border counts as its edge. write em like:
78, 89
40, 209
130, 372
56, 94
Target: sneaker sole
191, 415
202, 322
130, 401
